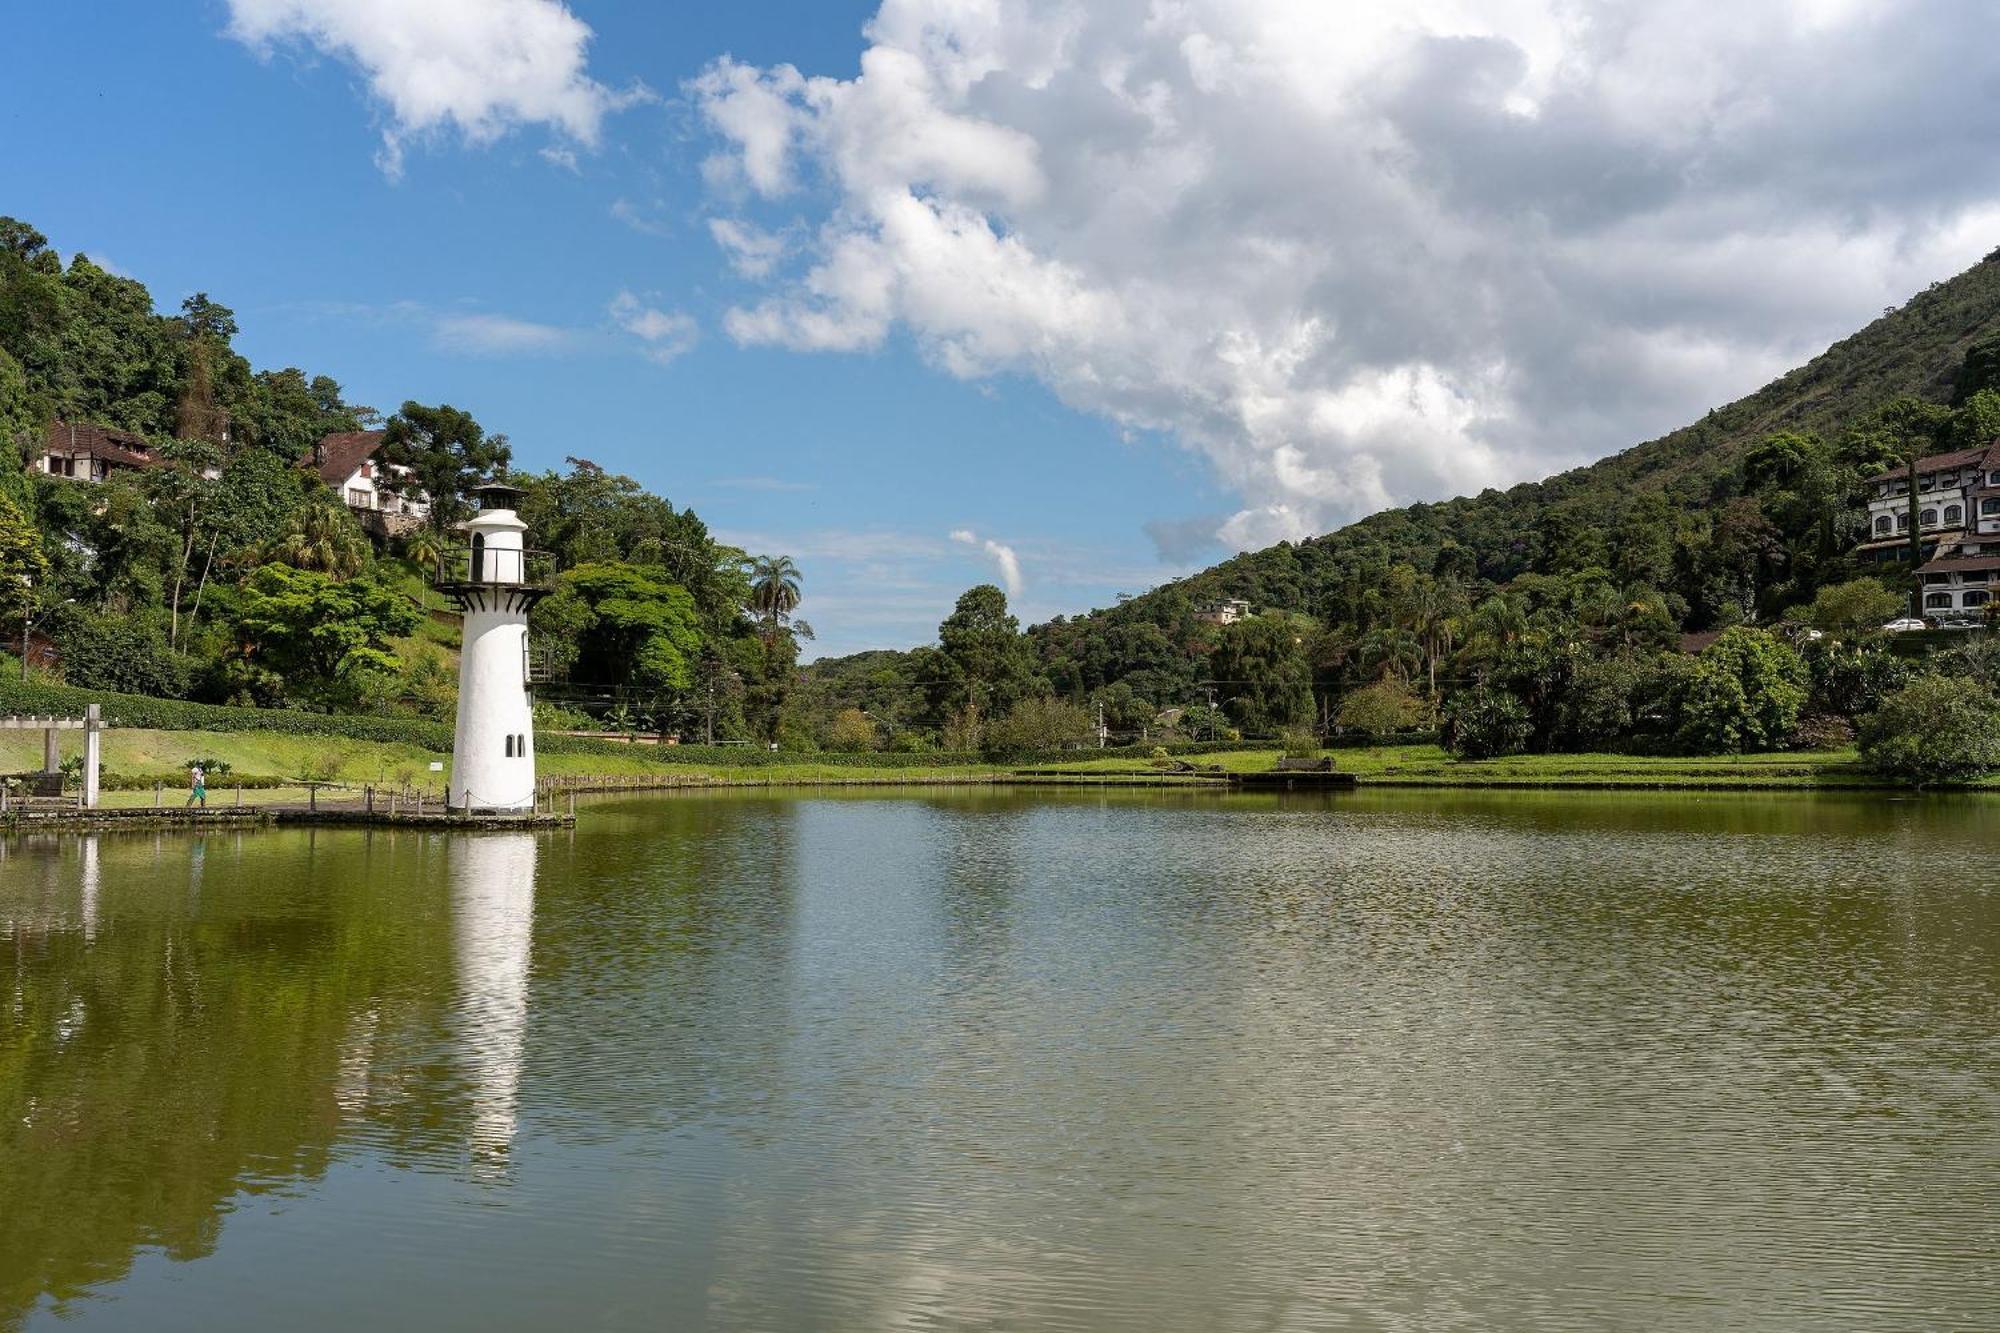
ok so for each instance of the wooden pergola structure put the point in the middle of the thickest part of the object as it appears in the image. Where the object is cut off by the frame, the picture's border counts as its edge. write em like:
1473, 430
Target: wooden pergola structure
91, 724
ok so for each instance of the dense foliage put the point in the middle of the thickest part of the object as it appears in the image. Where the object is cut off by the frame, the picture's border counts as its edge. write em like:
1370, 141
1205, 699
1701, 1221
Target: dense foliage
1936, 729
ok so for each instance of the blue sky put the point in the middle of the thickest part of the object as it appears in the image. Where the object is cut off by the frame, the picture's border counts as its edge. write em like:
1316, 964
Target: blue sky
1065, 295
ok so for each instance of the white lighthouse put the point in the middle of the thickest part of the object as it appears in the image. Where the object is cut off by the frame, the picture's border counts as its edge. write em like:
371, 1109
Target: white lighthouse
497, 582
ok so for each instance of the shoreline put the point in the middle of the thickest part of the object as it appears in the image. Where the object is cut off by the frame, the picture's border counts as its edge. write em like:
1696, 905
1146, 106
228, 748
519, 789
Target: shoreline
146, 818
265, 766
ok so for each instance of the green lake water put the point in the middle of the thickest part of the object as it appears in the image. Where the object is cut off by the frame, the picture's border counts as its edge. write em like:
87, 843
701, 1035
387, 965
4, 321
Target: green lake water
1020, 1061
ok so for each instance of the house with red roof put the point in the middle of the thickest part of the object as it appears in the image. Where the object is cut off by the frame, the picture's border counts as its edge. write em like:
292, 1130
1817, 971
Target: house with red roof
85, 451
373, 489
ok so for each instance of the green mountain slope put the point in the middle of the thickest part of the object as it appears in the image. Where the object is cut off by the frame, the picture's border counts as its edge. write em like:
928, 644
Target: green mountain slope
1917, 350
1737, 517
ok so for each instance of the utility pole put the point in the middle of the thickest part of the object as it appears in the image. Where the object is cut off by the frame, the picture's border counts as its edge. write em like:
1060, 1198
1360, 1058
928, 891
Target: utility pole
1102, 735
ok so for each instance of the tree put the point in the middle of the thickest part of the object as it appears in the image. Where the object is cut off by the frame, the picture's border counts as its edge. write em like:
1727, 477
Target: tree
181, 494
631, 628
851, 731
446, 453
774, 592
985, 664
1934, 729
1383, 709
1263, 674
1038, 725
1856, 607
317, 631
22, 563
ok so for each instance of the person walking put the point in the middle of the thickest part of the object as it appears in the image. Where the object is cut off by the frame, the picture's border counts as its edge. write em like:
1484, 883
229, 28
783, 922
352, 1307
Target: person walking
197, 787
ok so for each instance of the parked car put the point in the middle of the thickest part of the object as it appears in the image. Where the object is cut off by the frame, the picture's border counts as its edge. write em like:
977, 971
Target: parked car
1904, 624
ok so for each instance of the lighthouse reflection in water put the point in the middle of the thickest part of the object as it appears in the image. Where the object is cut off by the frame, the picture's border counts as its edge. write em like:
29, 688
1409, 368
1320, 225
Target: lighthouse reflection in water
493, 916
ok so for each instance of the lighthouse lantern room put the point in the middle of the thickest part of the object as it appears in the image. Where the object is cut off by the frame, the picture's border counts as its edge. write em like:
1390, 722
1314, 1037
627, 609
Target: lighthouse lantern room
495, 580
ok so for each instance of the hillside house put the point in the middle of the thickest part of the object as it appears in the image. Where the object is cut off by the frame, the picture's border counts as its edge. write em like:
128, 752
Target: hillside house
1959, 578
346, 461
1224, 612
1957, 494
84, 451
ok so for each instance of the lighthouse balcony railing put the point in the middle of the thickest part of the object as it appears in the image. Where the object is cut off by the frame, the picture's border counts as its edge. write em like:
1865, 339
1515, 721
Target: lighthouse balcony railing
495, 567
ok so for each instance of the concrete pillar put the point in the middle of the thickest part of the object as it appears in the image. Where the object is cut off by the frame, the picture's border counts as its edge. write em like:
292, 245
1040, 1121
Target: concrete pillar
51, 751
93, 727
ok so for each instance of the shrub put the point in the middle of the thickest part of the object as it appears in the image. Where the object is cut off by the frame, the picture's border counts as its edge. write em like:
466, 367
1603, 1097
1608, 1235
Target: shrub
1381, 709
106, 653
323, 765
1851, 680
1600, 709
1300, 743
1039, 725
1934, 729
1856, 607
1821, 731
1744, 692
1486, 723
851, 730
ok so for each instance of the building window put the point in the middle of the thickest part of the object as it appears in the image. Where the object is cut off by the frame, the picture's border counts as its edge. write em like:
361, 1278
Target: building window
1883, 524
1927, 519
1990, 506
357, 498
1977, 597
1937, 601
1902, 522
1954, 514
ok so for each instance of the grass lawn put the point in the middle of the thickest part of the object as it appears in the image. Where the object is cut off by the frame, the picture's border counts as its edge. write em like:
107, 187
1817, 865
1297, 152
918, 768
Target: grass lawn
269, 754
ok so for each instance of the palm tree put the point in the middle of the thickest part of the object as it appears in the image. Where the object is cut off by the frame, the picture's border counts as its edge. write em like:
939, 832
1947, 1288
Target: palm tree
423, 548
324, 537
774, 591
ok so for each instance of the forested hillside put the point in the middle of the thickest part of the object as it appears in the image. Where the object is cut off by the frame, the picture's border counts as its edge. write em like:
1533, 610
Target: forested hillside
1742, 518
214, 563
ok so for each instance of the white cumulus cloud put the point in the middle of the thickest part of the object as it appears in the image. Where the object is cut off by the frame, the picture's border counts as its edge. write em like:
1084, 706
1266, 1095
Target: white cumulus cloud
1366, 253
480, 66
1005, 561
666, 335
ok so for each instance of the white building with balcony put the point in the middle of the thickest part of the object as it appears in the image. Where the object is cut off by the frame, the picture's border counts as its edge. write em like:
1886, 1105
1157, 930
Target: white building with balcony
1960, 578
1956, 493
